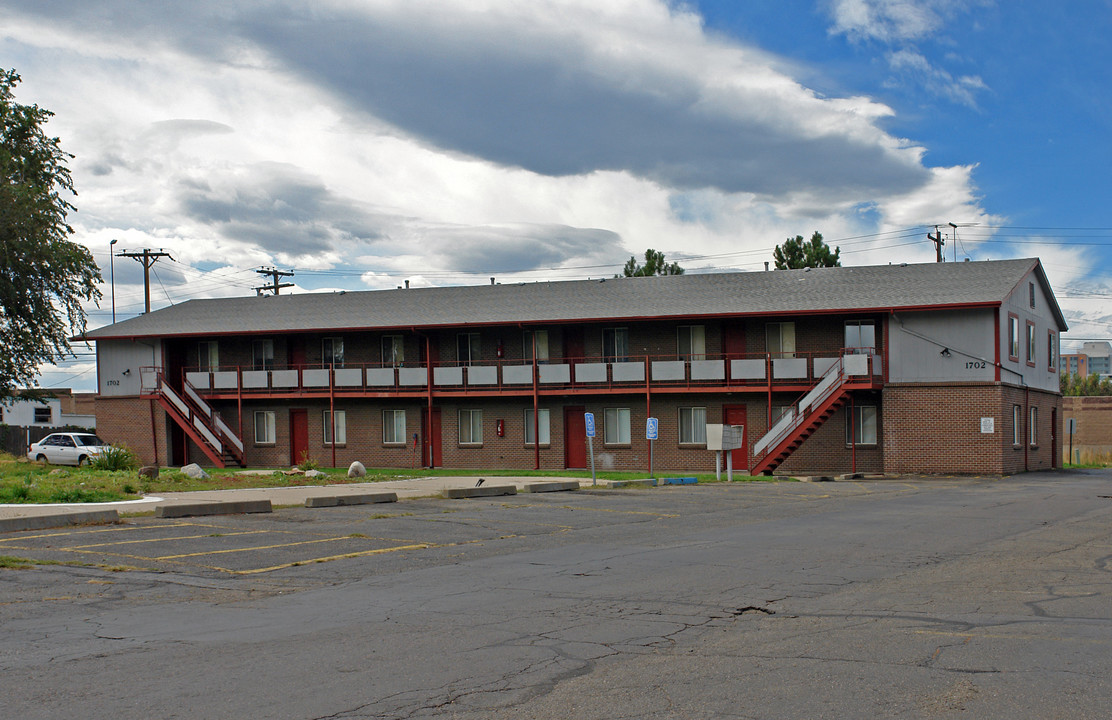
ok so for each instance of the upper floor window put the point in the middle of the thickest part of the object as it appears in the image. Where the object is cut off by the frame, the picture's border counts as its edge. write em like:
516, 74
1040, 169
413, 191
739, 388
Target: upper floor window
1031, 344
208, 356
262, 354
467, 348
1013, 337
393, 350
541, 338
332, 351
780, 339
1031, 290
1051, 351
615, 344
43, 415
692, 342
860, 336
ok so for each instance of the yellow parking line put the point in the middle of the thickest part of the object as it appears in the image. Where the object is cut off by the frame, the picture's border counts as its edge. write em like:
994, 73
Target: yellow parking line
121, 528
363, 553
253, 548
161, 539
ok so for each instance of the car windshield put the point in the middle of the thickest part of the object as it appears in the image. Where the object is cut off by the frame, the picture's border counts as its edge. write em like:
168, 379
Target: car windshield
88, 440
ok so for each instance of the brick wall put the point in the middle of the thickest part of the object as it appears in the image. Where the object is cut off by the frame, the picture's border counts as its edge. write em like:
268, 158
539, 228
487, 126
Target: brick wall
1093, 438
937, 429
128, 421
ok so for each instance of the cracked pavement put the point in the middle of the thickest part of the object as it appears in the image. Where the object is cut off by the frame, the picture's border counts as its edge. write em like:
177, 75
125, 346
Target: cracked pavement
926, 598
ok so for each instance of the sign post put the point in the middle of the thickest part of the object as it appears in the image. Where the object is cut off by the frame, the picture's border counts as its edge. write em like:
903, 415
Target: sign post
652, 428
1071, 426
589, 424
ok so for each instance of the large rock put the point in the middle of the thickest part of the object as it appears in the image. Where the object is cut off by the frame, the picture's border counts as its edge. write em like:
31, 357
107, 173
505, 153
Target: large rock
194, 471
148, 471
356, 470
314, 474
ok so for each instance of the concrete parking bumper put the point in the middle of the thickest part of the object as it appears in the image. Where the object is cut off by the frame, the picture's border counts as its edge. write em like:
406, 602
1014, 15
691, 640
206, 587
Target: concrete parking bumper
59, 519
338, 500
230, 507
481, 491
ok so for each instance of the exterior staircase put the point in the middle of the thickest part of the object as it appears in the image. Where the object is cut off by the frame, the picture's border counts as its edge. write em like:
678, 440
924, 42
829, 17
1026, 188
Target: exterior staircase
201, 423
801, 420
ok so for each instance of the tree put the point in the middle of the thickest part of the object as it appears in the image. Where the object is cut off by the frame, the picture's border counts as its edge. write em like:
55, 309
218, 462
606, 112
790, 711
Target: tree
1077, 385
43, 276
795, 253
654, 265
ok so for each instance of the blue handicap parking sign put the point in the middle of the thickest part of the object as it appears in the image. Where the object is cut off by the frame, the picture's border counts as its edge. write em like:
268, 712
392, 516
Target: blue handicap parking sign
589, 423
651, 426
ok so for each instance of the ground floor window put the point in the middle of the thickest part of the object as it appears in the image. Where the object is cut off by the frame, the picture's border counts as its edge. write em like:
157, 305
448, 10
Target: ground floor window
542, 426
617, 426
693, 425
470, 427
341, 427
1017, 424
862, 430
264, 427
1034, 425
43, 416
393, 427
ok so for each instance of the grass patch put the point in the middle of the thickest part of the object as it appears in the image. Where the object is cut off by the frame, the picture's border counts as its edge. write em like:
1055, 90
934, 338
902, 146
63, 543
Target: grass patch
10, 562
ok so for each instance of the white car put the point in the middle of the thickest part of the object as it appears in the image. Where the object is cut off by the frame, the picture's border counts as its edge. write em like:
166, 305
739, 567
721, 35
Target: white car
66, 449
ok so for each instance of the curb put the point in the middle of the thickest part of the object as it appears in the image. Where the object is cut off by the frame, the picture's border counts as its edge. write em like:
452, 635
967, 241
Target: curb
235, 507
556, 486
42, 522
650, 482
337, 500
474, 492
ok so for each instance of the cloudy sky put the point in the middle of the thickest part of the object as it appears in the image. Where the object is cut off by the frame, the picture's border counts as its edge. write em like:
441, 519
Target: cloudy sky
362, 143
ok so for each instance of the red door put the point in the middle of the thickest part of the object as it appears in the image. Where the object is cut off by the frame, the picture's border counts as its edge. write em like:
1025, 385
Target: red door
735, 415
573, 347
295, 352
299, 435
1054, 438
431, 449
575, 438
733, 341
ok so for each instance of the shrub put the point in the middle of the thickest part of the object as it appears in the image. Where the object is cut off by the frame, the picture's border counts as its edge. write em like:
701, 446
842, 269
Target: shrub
116, 457
308, 462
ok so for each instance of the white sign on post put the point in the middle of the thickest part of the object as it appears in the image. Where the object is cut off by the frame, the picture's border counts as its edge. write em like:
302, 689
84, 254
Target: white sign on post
589, 423
652, 427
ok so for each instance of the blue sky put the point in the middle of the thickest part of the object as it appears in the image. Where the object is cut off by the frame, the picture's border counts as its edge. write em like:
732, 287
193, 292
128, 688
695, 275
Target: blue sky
362, 143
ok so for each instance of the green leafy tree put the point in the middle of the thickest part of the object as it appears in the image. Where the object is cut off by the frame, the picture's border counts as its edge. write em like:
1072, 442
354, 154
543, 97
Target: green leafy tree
654, 265
1077, 385
43, 276
795, 253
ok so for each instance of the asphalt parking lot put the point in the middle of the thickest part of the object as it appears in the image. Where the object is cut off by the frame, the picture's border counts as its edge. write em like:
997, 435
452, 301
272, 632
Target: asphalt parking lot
923, 598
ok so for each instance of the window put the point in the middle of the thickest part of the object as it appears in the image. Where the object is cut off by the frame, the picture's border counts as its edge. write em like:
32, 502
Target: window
1031, 343
1013, 337
262, 354
542, 345
393, 350
208, 356
780, 339
467, 348
693, 425
1, 414
341, 427
692, 342
43, 416
1031, 290
617, 426
1017, 425
393, 427
1051, 352
332, 351
615, 344
863, 428
1034, 426
860, 337
264, 427
470, 427
542, 426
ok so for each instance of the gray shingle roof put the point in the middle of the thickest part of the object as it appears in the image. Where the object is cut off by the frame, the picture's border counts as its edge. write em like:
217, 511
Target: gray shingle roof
681, 296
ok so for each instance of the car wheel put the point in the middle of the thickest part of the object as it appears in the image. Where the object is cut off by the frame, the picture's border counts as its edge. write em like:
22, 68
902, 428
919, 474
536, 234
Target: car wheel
83, 461
40, 458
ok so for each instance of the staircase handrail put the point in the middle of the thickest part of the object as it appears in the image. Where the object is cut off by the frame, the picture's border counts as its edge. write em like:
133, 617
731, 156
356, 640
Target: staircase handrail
223, 431
798, 412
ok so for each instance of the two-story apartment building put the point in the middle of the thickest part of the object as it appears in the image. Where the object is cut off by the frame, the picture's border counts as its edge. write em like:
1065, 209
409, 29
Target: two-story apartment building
939, 368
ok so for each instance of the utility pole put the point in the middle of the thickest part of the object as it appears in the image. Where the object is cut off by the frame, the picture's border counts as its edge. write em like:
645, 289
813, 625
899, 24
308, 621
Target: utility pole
148, 258
938, 243
275, 285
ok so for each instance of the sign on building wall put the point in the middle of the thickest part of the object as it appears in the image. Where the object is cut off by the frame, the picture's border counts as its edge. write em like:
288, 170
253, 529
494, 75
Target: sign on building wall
988, 425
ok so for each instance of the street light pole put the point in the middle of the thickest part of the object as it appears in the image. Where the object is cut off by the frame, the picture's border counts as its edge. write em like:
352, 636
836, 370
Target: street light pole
112, 268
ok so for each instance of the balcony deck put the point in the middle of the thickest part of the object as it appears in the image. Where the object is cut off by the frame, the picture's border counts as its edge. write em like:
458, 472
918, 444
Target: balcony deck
578, 376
